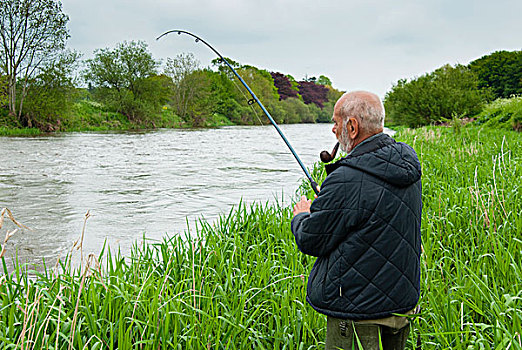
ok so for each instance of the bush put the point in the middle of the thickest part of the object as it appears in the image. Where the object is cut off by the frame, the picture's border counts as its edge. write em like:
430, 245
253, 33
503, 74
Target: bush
8, 120
296, 111
52, 93
126, 80
503, 113
435, 97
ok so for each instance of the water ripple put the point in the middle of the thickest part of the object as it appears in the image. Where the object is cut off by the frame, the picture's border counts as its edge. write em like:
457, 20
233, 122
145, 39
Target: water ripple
143, 182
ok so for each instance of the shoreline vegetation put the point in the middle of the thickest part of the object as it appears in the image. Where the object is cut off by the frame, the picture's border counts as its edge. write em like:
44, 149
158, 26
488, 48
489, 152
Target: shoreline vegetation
241, 282
126, 88
90, 116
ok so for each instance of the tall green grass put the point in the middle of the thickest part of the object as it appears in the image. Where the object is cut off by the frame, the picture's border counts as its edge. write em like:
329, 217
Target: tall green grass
240, 284
5, 131
237, 284
471, 230
471, 282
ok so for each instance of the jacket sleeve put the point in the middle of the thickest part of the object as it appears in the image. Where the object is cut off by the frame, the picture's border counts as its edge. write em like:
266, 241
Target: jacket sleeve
333, 215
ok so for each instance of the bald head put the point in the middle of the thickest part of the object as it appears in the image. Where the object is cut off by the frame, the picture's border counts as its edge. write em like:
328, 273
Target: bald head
366, 107
357, 116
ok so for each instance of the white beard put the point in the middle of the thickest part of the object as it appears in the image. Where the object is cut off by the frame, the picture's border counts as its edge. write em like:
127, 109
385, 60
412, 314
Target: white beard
345, 142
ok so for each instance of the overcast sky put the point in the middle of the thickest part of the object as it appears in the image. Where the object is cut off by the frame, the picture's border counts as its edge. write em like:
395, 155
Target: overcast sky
358, 44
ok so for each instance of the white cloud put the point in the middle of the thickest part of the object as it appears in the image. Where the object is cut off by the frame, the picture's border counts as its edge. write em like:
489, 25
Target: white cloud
358, 44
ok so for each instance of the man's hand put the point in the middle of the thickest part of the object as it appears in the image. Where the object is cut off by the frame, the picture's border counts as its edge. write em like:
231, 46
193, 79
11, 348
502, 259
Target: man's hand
303, 206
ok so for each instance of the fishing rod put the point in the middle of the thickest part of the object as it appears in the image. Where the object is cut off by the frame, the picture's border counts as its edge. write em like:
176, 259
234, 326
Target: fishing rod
253, 100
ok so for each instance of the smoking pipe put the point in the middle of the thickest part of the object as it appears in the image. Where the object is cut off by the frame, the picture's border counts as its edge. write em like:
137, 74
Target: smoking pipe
327, 157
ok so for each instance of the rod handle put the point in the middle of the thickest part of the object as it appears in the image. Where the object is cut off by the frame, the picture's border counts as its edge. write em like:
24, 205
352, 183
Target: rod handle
315, 187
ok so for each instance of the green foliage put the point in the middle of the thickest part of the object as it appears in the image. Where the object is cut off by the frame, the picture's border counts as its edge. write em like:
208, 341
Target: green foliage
4, 93
201, 96
125, 80
333, 94
324, 115
14, 131
322, 80
52, 92
435, 97
32, 32
288, 110
297, 111
505, 113
227, 286
8, 120
88, 115
262, 83
94, 116
223, 68
500, 71
188, 86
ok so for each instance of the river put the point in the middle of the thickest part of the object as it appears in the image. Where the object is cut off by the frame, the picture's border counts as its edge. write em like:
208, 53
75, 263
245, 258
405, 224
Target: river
152, 183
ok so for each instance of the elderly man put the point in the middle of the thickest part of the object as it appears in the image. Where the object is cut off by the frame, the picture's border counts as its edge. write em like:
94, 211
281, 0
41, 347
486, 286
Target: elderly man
364, 229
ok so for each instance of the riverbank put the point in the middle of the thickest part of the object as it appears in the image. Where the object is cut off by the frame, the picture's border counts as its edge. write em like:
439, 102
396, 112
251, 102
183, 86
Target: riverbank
242, 282
87, 115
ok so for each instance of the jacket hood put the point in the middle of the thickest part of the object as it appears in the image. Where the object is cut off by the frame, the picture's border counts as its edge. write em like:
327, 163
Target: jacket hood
393, 162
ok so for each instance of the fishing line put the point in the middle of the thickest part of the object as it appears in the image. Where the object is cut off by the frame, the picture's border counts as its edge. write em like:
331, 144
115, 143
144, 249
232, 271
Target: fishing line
247, 99
251, 101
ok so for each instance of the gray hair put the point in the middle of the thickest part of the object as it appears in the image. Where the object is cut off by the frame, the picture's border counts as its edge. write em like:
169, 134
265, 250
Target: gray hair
369, 111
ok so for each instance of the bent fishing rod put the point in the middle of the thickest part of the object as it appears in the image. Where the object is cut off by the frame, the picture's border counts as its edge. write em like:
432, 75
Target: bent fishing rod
253, 100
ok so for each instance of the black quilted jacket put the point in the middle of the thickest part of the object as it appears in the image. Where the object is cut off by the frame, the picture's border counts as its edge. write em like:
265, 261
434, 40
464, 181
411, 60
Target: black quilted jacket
365, 230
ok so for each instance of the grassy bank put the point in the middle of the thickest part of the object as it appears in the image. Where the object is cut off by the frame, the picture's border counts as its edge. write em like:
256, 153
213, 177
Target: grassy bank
86, 115
241, 283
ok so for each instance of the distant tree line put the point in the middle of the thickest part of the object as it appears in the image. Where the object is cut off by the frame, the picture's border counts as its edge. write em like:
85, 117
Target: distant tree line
455, 92
41, 82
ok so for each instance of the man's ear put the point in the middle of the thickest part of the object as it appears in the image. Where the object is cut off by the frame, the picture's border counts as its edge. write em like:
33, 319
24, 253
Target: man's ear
353, 128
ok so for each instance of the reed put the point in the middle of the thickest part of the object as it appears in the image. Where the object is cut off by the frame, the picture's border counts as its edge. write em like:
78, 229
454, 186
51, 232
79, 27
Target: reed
241, 282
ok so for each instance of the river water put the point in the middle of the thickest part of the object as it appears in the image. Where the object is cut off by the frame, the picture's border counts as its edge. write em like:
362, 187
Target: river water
152, 183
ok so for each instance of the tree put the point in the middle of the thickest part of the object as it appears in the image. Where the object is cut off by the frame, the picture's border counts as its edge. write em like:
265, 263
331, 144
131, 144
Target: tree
223, 68
501, 71
262, 84
5, 118
313, 93
324, 81
296, 111
51, 93
284, 86
442, 95
32, 32
186, 84
123, 78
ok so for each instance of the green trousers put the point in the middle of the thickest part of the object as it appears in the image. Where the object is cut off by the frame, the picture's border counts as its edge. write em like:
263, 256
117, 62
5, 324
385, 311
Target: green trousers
343, 334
